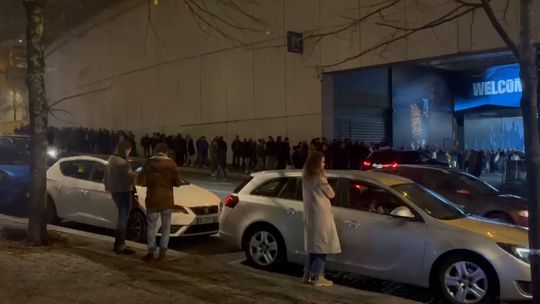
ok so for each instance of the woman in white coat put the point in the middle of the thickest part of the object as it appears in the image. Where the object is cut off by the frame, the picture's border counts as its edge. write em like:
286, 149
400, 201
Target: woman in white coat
320, 233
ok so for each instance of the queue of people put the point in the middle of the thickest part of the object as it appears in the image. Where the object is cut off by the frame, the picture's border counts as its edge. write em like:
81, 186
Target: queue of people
250, 154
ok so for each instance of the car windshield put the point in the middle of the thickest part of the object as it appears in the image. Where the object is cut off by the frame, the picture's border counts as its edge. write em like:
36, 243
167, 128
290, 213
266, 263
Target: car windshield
137, 165
431, 203
14, 151
473, 185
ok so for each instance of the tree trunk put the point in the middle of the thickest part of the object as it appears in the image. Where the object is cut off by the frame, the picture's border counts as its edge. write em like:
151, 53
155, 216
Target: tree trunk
37, 225
529, 108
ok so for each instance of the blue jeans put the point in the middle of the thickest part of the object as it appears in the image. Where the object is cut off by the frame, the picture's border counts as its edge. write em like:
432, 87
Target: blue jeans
315, 263
220, 171
152, 218
123, 203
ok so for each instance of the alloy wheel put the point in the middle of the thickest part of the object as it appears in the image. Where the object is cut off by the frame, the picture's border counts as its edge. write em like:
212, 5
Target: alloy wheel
465, 282
263, 248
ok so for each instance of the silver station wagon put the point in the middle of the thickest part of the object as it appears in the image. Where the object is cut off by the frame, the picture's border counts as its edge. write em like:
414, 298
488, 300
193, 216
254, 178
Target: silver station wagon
390, 228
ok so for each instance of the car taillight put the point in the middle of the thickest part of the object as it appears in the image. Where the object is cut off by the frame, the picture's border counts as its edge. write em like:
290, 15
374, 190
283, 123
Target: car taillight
366, 165
464, 192
231, 201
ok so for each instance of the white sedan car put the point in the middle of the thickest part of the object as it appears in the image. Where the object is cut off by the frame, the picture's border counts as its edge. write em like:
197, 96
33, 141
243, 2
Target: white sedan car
389, 228
76, 193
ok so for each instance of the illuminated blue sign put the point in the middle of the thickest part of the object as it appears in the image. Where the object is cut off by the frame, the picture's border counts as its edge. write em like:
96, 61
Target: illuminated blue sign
497, 86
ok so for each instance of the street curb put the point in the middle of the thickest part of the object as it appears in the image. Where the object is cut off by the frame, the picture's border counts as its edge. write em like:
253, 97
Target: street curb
24, 222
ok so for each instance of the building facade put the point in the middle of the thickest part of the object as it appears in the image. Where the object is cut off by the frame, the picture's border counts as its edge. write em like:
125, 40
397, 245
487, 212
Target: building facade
172, 73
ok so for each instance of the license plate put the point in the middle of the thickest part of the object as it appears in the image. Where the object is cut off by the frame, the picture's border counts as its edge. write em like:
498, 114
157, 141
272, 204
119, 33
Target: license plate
206, 220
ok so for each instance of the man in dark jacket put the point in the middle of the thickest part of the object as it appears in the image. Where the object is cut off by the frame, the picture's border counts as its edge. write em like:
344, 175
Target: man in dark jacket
181, 149
160, 175
236, 147
221, 158
190, 151
271, 154
202, 151
145, 144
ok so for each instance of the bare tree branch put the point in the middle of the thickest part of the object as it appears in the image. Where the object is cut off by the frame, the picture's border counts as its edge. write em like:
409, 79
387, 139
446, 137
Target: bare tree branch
500, 29
507, 6
59, 101
201, 18
147, 28
448, 17
353, 24
53, 114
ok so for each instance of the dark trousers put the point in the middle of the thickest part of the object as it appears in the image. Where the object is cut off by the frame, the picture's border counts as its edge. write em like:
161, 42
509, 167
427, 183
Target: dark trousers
236, 159
123, 203
147, 152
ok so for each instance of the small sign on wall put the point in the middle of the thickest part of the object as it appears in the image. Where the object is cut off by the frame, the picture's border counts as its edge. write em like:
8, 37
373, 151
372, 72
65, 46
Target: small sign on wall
295, 42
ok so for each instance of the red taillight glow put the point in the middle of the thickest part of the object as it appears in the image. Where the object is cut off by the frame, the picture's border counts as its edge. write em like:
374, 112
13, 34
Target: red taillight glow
366, 164
393, 166
231, 201
464, 192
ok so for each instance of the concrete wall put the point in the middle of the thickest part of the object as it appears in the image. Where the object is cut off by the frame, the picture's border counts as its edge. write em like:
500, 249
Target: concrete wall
184, 80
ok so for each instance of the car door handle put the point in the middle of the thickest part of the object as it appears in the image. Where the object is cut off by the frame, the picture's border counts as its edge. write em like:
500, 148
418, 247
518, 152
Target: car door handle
291, 211
352, 224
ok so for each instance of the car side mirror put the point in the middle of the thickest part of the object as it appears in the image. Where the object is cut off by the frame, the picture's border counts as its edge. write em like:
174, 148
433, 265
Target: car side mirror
403, 212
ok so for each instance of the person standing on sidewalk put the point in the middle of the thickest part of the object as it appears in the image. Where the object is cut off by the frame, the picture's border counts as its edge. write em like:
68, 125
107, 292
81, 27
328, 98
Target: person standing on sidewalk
202, 151
235, 147
119, 181
190, 151
320, 233
160, 175
221, 171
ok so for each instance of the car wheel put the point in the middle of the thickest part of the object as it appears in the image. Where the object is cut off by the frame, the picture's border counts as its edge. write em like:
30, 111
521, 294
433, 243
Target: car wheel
264, 247
136, 230
467, 280
52, 214
500, 217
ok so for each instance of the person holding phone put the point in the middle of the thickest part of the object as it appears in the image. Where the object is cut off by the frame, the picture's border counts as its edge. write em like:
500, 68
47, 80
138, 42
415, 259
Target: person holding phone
119, 181
320, 233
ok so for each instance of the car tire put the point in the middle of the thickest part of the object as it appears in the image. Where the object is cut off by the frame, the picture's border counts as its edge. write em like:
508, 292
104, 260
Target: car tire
264, 247
52, 214
500, 217
136, 229
467, 279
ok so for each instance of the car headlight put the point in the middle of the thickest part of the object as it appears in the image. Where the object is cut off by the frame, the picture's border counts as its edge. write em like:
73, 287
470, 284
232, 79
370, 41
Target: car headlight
523, 213
179, 209
53, 153
519, 252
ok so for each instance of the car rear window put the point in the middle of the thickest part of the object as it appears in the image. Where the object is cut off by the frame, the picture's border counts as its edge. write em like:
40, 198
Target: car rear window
242, 185
270, 188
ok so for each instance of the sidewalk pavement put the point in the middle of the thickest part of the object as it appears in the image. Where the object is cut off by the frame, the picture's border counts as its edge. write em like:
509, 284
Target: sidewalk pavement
81, 268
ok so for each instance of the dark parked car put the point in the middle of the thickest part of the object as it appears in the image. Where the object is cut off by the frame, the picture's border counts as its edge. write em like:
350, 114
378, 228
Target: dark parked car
393, 158
14, 169
468, 192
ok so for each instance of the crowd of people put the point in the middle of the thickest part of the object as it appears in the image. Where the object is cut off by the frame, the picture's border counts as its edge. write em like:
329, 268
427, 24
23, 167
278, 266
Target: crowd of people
250, 154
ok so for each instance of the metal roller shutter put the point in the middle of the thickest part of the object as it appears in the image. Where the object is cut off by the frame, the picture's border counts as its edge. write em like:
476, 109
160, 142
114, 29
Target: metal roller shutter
366, 124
